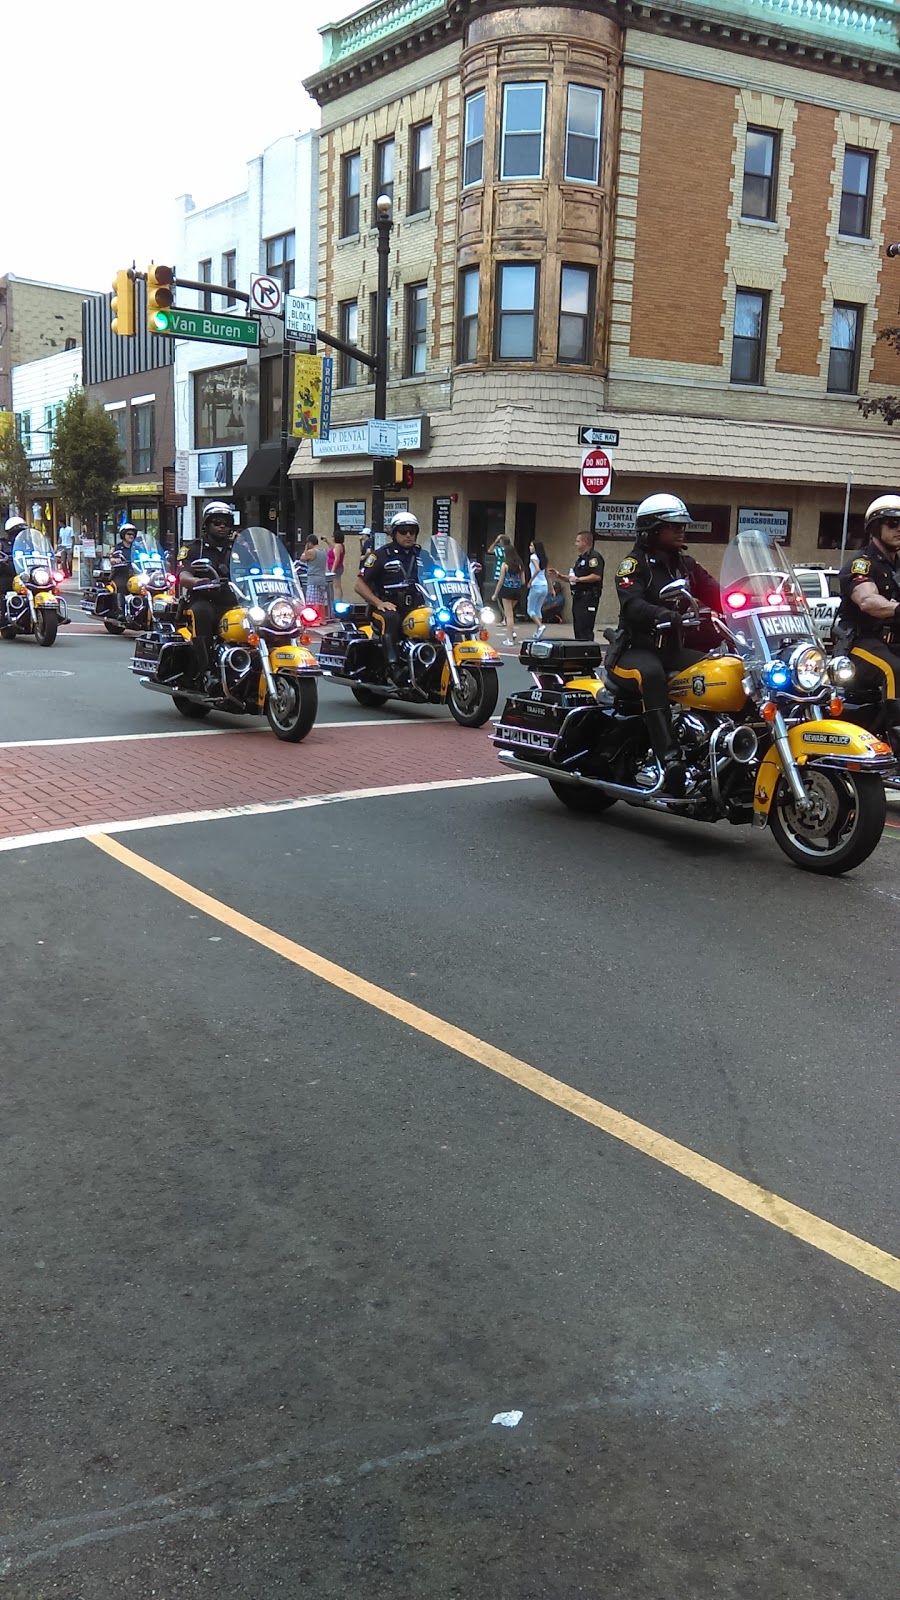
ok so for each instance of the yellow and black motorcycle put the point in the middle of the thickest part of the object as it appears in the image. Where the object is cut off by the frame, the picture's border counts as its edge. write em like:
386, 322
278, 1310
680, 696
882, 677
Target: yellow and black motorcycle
149, 579
445, 654
33, 606
260, 665
757, 721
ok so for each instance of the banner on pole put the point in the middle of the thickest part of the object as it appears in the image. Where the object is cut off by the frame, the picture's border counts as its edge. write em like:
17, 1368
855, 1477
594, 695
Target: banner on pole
311, 410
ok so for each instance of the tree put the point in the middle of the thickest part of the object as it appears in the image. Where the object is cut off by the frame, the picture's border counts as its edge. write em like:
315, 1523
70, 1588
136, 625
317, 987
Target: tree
16, 482
889, 406
87, 460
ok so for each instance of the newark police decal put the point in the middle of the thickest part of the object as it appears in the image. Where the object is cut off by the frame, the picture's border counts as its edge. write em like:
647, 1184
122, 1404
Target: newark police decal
826, 738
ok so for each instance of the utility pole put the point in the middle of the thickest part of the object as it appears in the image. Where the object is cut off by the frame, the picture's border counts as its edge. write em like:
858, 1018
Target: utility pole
383, 223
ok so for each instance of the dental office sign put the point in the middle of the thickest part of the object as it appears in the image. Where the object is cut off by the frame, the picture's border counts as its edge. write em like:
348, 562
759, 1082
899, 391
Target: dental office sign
354, 440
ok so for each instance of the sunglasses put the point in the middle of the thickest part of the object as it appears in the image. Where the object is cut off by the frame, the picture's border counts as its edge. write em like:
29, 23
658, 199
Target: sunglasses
405, 533
219, 522
891, 522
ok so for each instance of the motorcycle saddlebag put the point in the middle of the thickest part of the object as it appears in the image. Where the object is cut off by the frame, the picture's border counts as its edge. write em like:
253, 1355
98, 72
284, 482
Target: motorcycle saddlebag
333, 652
160, 657
533, 720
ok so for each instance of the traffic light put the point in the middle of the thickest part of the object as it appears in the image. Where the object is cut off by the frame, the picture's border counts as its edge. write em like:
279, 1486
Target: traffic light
160, 298
404, 476
392, 473
122, 305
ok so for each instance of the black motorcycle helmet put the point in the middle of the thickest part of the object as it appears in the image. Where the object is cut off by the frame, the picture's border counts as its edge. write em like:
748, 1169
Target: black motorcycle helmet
218, 523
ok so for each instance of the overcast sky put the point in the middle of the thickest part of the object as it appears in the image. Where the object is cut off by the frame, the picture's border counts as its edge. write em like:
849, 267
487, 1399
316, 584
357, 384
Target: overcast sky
108, 120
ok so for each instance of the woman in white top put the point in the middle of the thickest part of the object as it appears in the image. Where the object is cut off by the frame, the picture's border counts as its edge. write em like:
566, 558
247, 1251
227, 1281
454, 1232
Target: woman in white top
537, 583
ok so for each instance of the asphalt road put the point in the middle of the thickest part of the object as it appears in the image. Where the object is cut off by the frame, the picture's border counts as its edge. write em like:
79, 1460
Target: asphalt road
279, 1252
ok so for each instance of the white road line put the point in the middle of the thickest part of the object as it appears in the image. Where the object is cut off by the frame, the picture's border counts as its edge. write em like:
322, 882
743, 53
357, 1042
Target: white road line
195, 733
178, 819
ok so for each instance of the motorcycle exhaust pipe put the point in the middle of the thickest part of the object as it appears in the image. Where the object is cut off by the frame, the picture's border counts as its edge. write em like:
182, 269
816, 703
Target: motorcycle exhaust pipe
425, 655
741, 745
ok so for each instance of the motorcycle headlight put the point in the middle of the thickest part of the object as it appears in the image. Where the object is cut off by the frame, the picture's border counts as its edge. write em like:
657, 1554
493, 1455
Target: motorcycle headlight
40, 574
464, 613
778, 675
487, 616
841, 669
257, 614
809, 667
282, 615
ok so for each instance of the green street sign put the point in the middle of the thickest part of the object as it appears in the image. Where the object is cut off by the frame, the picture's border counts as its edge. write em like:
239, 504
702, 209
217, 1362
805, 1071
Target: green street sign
208, 326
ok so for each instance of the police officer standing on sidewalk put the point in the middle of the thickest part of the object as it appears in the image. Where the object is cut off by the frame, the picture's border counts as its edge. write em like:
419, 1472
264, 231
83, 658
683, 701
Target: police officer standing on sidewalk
586, 580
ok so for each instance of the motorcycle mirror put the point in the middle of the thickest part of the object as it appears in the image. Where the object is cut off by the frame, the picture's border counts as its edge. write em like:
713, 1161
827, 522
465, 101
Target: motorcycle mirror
671, 590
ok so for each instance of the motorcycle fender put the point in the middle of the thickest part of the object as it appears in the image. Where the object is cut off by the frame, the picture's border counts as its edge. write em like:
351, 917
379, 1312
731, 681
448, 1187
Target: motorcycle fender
45, 597
587, 685
467, 651
841, 742
292, 657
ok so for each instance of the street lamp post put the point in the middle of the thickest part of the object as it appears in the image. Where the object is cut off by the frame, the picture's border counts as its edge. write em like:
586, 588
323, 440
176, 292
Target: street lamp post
383, 223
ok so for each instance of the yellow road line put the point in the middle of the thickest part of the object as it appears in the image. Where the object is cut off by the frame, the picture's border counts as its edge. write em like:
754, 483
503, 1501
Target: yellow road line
805, 1225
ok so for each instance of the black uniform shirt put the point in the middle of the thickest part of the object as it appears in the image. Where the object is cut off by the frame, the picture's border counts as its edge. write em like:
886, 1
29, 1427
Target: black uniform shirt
589, 565
204, 549
871, 565
639, 579
391, 571
121, 554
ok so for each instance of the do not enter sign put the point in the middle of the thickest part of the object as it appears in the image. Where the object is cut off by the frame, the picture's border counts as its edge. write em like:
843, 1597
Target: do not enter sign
596, 472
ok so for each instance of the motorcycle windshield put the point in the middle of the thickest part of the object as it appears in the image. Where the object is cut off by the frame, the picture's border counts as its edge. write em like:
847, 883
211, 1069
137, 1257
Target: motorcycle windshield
261, 565
146, 557
762, 600
32, 549
446, 572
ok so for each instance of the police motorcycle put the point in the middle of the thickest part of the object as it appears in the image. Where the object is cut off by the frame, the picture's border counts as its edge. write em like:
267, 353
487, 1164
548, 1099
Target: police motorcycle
259, 661
148, 580
757, 722
34, 605
444, 646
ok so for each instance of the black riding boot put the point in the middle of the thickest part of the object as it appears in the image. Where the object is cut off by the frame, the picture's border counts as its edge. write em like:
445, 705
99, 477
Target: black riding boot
659, 727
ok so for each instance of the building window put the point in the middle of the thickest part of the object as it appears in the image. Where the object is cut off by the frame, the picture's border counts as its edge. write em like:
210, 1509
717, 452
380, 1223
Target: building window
856, 193
831, 530
522, 138
420, 168
384, 173
23, 426
142, 438
473, 140
584, 112
348, 370
49, 414
270, 371
219, 406
204, 273
760, 174
517, 298
118, 411
749, 346
416, 327
576, 314
229, 274
843, 357
280, 259
350, 195
467, 333
373, 329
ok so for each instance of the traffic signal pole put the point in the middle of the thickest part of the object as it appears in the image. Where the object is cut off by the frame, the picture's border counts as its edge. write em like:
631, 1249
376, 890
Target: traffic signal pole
383, 224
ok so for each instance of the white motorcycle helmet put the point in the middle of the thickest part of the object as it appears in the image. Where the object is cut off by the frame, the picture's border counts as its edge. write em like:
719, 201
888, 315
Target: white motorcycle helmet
887, 505
404, 519
660, 510
14, 525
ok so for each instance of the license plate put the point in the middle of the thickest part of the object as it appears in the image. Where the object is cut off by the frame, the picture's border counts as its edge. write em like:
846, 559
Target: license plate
330, 662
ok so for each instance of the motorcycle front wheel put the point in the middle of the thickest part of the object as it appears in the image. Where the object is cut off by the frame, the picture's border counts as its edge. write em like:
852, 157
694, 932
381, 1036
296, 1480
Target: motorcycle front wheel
292, 711
46, 627
843, 825
476, 698
113, 627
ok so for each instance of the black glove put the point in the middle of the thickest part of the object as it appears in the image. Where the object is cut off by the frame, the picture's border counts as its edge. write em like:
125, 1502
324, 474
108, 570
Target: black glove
666, 614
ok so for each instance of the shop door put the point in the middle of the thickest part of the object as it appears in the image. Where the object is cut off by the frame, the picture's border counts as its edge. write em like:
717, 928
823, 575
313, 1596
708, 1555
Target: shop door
486, 523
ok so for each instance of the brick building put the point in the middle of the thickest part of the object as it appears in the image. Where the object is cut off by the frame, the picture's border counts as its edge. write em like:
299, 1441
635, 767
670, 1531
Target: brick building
36, 319
668, 221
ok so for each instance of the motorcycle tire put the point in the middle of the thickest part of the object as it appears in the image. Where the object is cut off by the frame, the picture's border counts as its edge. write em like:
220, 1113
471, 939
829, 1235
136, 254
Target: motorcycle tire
194, 710
9, 633
113, 627
369, 697
855, 802
46, 627
473, 709
295, 713
578, 797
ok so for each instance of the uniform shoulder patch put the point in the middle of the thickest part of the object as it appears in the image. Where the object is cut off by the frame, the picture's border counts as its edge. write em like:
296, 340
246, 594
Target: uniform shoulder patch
183, 552
370, 561
593, 561
626, 567
861, 567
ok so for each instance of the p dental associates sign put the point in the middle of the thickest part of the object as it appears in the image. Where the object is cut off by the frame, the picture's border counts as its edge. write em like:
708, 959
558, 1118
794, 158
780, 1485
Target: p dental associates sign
353, 439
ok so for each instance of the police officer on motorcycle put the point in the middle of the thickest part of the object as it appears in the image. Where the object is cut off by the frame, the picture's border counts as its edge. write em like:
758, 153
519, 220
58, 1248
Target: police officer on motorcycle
868, 620
12, 526
204, 566
649, 647
388, 582
120, 560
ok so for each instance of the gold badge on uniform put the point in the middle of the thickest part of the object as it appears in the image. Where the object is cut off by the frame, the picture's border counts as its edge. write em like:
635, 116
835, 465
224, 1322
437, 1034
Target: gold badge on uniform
370, 561
628, 566
182, 552
861, 567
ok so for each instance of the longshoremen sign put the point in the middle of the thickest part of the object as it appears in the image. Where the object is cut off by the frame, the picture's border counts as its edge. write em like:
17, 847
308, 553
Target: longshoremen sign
353, 438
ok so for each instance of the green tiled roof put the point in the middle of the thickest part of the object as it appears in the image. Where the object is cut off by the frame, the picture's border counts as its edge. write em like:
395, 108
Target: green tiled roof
366, 28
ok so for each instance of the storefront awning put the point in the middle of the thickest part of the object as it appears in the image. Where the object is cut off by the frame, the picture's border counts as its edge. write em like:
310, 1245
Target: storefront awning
260, 475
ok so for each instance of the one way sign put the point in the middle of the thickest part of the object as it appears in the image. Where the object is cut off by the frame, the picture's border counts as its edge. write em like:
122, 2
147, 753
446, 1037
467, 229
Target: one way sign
591, 437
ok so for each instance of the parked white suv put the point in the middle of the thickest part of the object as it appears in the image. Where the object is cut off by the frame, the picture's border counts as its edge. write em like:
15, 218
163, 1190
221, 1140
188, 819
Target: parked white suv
820, 585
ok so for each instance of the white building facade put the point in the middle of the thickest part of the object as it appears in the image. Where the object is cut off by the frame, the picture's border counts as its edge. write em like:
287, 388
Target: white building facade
227, 399
38, 390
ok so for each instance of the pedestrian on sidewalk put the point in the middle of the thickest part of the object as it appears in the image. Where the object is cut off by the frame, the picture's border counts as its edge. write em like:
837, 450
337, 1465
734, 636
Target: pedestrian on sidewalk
336, 563
509, 586
537, 582
66, 537
315, 560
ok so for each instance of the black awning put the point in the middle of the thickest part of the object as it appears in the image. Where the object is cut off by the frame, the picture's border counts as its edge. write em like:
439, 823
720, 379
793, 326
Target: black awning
260, 475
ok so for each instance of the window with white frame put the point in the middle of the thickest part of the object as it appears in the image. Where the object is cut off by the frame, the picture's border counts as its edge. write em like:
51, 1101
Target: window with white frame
348, 315
416, 328
584, 112
517, 301
576, 309
843, 355
522, 132
467, 321
420, 168
473, 140
350, 195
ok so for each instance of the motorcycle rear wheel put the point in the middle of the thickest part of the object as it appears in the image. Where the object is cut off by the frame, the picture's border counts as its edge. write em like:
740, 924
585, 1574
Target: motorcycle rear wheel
46, 627
480, 692
578, 797
293, 713
113, 627
194, 710
847, 825
369, 697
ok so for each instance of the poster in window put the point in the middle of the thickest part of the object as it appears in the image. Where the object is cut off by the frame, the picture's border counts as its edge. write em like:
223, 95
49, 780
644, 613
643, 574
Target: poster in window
214, 469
